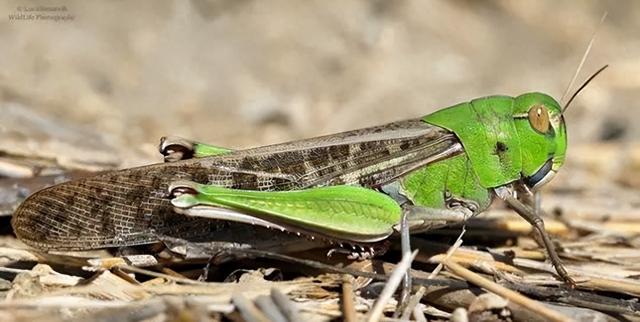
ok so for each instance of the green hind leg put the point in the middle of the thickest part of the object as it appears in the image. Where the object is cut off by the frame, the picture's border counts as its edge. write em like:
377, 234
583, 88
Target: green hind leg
347, 213
175, 148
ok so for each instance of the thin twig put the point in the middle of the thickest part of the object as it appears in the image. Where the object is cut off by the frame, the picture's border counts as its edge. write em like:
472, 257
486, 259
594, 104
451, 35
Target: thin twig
391, 286
247, 309
118, 272
419, 315
497, 289
450, 252
270, 309
584, 299
171, 272
348, 305
287, 307
415, 299
590, 279
13, 270
413, 302
147, 272
321, 266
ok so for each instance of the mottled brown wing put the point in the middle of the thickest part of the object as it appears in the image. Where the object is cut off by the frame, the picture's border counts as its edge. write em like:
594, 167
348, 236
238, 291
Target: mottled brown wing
131, 206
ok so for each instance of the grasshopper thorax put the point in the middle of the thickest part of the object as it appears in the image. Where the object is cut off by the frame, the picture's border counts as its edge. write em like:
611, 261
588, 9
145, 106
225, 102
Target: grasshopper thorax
508, 138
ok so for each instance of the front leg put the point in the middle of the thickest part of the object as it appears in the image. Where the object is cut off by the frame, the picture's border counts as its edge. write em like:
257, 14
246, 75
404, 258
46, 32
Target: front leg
529, 214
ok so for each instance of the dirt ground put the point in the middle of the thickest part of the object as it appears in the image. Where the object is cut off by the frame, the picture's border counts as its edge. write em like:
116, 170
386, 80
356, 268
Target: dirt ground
94, 85
246, 73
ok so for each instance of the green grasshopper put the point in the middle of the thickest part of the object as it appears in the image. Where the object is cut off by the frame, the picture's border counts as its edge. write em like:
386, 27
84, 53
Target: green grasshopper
353, 187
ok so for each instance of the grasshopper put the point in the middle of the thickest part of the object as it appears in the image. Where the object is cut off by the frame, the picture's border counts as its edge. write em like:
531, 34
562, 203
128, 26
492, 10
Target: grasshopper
354, 187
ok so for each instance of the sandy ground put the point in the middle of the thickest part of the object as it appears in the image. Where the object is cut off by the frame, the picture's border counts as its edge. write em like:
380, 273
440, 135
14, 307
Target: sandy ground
246, 73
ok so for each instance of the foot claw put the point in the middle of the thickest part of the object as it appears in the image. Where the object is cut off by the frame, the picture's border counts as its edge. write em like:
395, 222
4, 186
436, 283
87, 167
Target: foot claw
570, 282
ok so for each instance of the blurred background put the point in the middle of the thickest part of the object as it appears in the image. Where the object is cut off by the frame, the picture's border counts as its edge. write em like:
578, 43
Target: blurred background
93, 85
103, 85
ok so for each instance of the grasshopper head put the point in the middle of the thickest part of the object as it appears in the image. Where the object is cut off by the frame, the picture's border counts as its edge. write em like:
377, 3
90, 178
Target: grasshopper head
543, 137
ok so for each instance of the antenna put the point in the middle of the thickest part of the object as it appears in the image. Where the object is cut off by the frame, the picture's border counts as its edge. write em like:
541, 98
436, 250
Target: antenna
584, 58
564, 108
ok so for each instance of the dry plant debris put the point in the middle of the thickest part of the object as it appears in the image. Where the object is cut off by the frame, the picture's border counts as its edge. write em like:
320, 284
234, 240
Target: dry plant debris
495, 270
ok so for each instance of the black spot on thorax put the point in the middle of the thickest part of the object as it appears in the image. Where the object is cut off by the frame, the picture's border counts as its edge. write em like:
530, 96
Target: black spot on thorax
501, 147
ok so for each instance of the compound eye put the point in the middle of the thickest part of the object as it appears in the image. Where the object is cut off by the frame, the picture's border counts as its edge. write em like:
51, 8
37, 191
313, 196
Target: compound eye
539, 118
